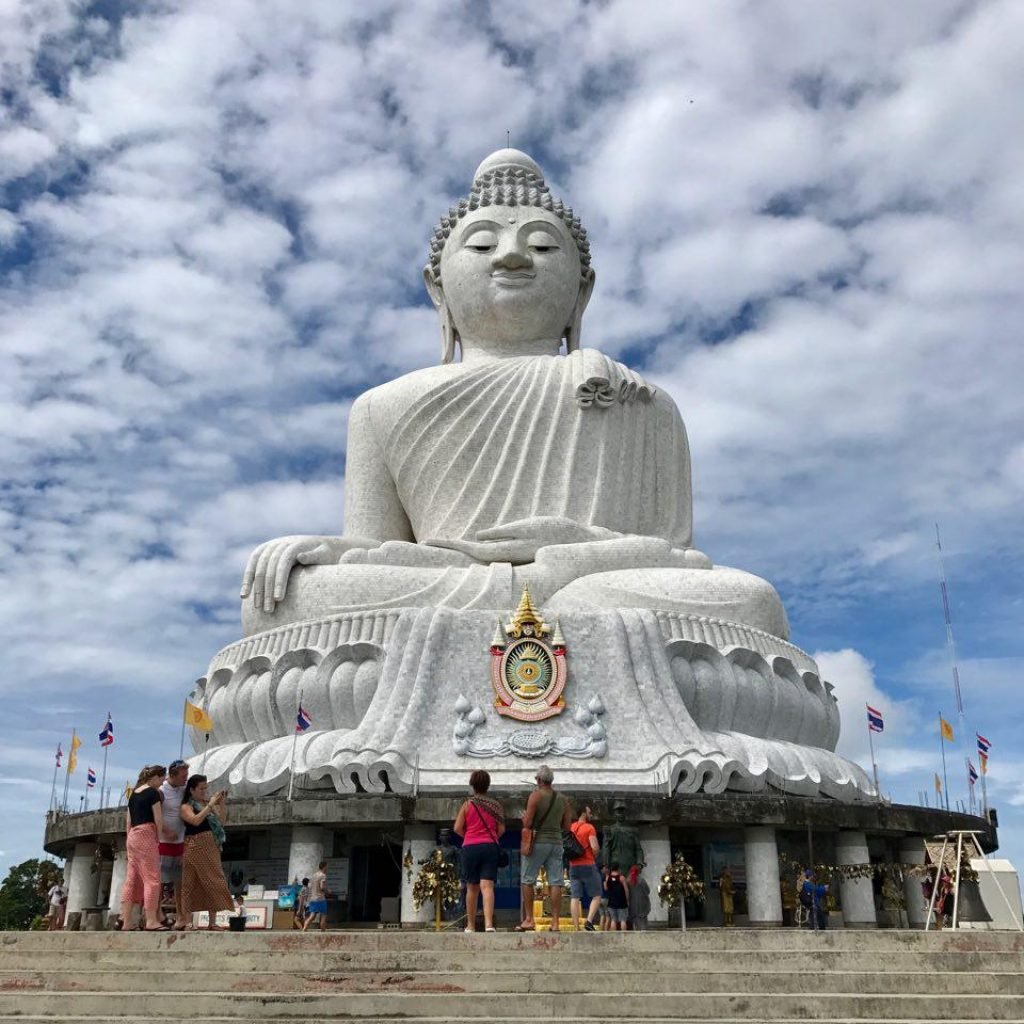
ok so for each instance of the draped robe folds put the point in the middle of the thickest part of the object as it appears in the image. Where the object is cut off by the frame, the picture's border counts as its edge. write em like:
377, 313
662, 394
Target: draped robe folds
579, 436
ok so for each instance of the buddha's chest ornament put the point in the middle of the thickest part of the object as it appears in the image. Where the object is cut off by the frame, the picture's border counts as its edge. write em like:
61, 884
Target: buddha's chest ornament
528, 670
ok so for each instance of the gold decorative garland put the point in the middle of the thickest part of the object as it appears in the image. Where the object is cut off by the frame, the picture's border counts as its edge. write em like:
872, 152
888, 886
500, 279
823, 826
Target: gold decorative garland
680, 882
436, 877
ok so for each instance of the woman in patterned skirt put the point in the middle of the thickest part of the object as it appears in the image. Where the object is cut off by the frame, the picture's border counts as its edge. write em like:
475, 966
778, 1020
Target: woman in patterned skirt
144, 820
203, 886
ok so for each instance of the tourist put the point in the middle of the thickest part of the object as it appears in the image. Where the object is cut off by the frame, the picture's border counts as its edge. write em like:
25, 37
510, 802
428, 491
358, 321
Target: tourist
812, 897
172, 836
480, 822
317, 905
301, 904
54, 898
203, 886
584, 878
726, 894
144, 821
618, 899
546, 817
639, 899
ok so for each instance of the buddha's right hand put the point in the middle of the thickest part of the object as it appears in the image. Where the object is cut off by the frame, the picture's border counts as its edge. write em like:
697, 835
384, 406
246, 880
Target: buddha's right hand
266, 575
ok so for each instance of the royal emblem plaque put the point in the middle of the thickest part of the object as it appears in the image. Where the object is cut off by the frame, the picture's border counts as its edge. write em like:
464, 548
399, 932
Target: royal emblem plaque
528, 668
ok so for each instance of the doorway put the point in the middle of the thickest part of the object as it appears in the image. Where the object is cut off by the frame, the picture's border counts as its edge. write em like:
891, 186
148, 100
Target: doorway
376, 873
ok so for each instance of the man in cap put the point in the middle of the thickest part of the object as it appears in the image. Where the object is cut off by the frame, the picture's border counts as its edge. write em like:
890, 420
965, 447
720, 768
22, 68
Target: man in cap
547, 815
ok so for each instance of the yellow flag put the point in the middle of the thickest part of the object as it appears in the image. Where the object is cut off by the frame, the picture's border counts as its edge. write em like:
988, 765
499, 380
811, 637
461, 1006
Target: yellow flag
73, 754
938, 783
197, 718
127, 790
946, 729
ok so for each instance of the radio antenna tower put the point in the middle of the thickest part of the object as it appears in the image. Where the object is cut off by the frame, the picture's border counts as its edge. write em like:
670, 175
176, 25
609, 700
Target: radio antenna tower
950, 642
951, 649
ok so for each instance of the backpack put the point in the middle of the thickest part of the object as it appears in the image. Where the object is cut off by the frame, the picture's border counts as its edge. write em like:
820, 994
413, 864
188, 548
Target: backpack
806, 897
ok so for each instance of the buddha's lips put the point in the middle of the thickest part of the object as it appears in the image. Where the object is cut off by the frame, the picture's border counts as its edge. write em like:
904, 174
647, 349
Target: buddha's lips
508, 276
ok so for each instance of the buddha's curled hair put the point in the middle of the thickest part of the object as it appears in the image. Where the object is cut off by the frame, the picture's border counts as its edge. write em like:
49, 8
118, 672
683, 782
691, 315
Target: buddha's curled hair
510, 185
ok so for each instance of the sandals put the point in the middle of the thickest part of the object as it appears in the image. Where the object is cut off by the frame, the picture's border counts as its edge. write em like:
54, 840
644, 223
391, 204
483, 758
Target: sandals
520, 928
161, 928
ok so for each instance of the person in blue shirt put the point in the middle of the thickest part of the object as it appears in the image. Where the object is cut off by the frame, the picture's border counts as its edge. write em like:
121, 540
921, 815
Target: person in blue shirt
812, 896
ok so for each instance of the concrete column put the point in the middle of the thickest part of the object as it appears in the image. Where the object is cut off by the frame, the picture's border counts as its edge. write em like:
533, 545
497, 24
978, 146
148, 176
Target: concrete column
418, 843
912, 852
764, 897
857, 893
82, 880
117, 876
658, 856
306, 851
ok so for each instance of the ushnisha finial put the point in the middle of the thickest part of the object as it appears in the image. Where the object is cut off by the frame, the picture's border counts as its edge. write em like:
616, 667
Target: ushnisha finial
509, 160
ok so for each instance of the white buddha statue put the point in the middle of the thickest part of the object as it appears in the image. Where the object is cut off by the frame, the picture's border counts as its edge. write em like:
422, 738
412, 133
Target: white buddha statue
532, 460
529, 462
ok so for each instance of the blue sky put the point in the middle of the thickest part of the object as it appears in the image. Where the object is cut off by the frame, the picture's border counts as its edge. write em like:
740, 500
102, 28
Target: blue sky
806, 224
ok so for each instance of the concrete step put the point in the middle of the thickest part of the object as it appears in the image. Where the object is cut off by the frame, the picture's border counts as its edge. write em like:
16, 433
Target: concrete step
265, 1006
232, 957
555, 980
695, 940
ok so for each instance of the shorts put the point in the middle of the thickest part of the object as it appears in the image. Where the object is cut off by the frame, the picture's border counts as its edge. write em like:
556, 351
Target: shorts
547, 856
584, 882
618, 915
170, 862
479, 863
54, 911
316, 907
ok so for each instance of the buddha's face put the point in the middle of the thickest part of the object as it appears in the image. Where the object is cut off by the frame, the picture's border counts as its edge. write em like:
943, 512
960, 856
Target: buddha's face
510, 274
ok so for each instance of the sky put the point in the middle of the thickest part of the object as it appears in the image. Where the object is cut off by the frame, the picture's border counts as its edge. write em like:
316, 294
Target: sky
806, 225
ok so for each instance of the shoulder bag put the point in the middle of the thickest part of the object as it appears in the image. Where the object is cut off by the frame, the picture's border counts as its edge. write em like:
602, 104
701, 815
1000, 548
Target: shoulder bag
529, 834
503, 858
571, 846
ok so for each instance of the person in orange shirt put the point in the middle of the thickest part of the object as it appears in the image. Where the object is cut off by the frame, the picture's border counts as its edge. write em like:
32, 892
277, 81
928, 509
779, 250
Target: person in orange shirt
584, 878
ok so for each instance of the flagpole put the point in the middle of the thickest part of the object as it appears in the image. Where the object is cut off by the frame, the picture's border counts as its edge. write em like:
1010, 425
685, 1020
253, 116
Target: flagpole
295, 743
874, 765
53, 788
181, 744
206, 745
983, 767
942, 744
106, 749
67, 776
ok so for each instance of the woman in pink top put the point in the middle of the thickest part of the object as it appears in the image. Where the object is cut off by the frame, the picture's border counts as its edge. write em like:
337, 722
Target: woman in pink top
480, 822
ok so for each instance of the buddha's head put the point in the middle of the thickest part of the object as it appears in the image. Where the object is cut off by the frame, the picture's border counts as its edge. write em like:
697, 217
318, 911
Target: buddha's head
510, 264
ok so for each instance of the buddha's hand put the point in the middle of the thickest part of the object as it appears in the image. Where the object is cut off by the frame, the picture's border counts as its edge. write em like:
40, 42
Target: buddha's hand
266, 575
518, 542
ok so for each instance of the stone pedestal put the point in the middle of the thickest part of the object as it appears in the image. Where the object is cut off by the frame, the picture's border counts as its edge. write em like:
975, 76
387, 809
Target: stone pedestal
82, 880
764, 898
418, 843
912, 852
857, 893
306, 851
658, 855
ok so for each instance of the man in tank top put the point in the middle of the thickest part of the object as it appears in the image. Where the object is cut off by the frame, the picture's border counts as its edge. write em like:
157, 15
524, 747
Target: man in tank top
547, 815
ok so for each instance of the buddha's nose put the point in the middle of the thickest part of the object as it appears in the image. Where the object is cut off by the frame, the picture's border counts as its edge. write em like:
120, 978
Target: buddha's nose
512, 257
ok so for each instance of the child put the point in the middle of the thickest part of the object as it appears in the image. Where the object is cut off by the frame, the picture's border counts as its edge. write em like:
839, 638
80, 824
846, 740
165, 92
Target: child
618, 899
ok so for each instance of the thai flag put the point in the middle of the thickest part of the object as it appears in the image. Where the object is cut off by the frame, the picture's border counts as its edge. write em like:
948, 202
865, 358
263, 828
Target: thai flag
303, 720
983, 744
60, 754
90, 779
107, 735
875, 722
972, 773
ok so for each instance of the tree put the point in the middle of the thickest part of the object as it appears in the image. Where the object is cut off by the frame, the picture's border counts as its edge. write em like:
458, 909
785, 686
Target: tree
23, 893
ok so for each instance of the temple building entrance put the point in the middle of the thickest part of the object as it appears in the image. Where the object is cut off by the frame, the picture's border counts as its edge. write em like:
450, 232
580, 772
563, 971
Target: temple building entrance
376, 873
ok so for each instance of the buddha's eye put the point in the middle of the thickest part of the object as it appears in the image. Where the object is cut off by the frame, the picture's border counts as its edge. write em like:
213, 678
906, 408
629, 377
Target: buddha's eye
482, 242
541, 241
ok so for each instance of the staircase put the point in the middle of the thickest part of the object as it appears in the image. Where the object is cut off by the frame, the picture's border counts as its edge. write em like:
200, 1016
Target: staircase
704, 975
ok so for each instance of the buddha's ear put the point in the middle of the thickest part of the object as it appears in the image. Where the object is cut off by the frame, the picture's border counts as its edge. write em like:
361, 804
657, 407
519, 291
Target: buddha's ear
449, 335
573, 332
